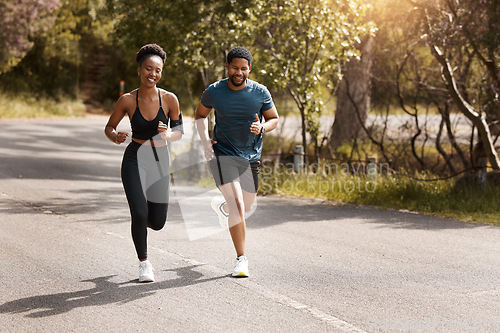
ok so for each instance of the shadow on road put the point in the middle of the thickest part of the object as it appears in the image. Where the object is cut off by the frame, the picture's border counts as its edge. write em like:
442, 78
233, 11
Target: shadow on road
275, 210
76, 202
38, 167
86, 203
105, 292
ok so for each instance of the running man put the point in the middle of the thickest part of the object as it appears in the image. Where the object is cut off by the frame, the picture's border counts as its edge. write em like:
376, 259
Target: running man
234, 153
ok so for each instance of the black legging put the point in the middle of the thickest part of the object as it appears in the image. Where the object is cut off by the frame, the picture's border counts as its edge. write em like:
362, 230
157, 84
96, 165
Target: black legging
145, 179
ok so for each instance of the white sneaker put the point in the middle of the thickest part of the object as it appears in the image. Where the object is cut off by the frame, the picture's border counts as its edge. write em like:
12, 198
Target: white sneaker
217, 205
146, 272
241, 267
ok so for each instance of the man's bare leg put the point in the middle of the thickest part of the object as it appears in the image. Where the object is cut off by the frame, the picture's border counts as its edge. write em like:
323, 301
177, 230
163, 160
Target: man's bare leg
249, 200
235, 206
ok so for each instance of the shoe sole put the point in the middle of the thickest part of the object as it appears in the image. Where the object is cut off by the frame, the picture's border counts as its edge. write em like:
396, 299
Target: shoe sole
240, 274
146, 279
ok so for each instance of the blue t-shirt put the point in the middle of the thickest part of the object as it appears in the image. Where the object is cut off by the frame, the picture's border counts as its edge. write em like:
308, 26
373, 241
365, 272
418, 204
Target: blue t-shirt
234, 113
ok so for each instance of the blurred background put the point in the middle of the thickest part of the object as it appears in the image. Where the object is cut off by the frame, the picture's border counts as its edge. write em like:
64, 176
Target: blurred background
412, 85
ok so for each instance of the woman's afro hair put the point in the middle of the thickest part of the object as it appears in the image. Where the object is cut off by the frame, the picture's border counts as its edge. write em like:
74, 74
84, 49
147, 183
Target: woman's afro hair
149, 50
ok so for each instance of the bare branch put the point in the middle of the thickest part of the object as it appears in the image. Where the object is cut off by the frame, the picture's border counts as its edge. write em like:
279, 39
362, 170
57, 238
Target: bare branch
440, 149
363, 126
489, 63
467, 109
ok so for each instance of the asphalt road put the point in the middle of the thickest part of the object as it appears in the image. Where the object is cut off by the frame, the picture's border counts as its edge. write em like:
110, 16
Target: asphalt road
67, 261
398, 127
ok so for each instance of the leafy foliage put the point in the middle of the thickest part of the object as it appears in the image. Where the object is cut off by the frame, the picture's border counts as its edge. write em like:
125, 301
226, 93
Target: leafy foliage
467, 32
406, 71
303, 44
59, 54
196, 35
298, 46
20, 22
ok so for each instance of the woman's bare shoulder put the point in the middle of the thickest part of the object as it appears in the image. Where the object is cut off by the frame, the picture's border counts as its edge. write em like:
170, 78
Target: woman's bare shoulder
128, 99
167, 95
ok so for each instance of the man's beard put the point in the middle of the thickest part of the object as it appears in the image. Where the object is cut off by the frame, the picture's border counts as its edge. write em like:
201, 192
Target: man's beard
237, 84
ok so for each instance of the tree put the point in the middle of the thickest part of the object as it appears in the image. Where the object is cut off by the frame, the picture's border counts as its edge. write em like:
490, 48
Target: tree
466, 31
303, 43
407, 73
403, 75
20, 22
353, 102
196, 35
60, 53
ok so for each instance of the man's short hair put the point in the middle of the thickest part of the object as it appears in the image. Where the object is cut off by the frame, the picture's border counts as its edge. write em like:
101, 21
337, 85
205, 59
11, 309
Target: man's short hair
239, 52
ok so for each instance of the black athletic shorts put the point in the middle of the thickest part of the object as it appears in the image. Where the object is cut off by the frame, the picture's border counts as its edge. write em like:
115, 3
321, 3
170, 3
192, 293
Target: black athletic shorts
227, 169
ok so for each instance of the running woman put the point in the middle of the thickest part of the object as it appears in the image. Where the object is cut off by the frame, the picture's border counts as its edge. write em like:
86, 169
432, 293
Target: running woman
234, 153
145, 172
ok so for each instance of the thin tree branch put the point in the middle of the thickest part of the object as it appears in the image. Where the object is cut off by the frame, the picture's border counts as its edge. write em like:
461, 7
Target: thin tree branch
358, 114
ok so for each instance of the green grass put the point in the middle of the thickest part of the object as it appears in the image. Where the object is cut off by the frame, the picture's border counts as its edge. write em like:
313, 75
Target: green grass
444, 198
27, 106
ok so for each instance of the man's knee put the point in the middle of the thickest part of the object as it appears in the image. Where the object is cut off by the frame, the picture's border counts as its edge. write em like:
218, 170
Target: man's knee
235, 204
249, 202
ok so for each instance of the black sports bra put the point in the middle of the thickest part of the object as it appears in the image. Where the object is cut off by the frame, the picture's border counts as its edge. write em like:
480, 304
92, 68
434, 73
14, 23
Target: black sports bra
143, 129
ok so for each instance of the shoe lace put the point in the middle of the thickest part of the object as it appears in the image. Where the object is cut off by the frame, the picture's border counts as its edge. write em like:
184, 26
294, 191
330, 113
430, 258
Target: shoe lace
240, 259
143, 267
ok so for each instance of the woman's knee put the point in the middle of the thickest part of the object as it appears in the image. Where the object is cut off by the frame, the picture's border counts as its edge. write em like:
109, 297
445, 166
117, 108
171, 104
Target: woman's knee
157, 216
157, 224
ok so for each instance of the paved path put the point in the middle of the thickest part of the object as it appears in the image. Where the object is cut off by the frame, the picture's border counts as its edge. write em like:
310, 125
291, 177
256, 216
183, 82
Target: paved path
399, 127
67, 261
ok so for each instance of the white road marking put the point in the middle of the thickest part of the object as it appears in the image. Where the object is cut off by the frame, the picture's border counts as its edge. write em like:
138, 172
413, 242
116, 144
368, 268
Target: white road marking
266, 292
274, 296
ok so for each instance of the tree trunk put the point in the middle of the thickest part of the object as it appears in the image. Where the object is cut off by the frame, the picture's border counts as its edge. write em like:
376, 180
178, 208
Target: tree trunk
356, 76
301, 107
304, 137
445, 113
